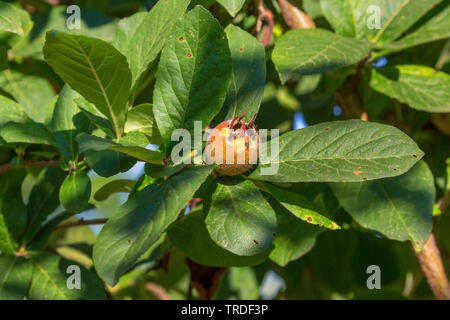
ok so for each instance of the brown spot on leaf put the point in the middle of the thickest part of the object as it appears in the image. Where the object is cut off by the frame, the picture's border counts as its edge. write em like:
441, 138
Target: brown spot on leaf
414, 155
395, 169
365, 179
256, 242
181, 39
309, 219
326, 129
189, 55
241, 49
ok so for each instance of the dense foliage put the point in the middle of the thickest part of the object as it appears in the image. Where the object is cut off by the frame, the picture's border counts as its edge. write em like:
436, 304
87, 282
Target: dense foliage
365, 183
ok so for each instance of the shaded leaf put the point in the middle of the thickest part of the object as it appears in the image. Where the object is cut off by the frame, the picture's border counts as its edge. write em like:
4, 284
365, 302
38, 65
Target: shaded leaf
310, 51
121, 185
420, 87
44, 199
300, 207
137, 224
32, 132
433, 29
94, 143
294, 238
51, 277
240, 220
67, 122
401, 208
191, 236
15, 277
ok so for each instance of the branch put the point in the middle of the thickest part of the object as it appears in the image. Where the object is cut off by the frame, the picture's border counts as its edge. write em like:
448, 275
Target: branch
431, 264
31, 163
267, 15
81, 222
294, 17
157, 290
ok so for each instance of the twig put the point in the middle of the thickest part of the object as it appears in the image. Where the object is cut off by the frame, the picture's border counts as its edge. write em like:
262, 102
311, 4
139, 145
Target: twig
31, 163
157, 290
431, 264
294, 17
81, 222
267, 15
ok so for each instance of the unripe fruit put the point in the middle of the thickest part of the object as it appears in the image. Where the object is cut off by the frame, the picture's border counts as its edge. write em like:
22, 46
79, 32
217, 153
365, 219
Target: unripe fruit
234, 146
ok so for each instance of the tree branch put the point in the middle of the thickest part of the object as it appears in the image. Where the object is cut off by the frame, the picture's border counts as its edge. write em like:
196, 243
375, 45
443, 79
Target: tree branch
267, 15
31, 163
433, 268
80, 223
157, 291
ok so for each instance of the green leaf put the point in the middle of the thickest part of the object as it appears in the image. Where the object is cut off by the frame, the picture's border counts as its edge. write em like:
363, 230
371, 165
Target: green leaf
240, 220
401, 208
108, 163
14, 20
32, 132
94, 143
95, 116
120, 185
51, 278
11, 111
294, 238
248, 77
13, 213
15, 277
191, 236
357, 18
232, 6
75, 192
193, 74
95, 69
433, 29
141, 118
300, 207
311, 51
137, 224
33, 93
142, 36
420, 87
158, 171
92, 23
340, 151
67, 122
44, 199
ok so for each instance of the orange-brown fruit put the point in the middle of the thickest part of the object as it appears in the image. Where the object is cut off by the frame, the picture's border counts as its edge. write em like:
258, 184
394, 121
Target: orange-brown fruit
235, 141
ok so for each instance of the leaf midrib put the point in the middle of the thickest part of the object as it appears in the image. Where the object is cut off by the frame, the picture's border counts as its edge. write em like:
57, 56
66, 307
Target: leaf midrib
100, 84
